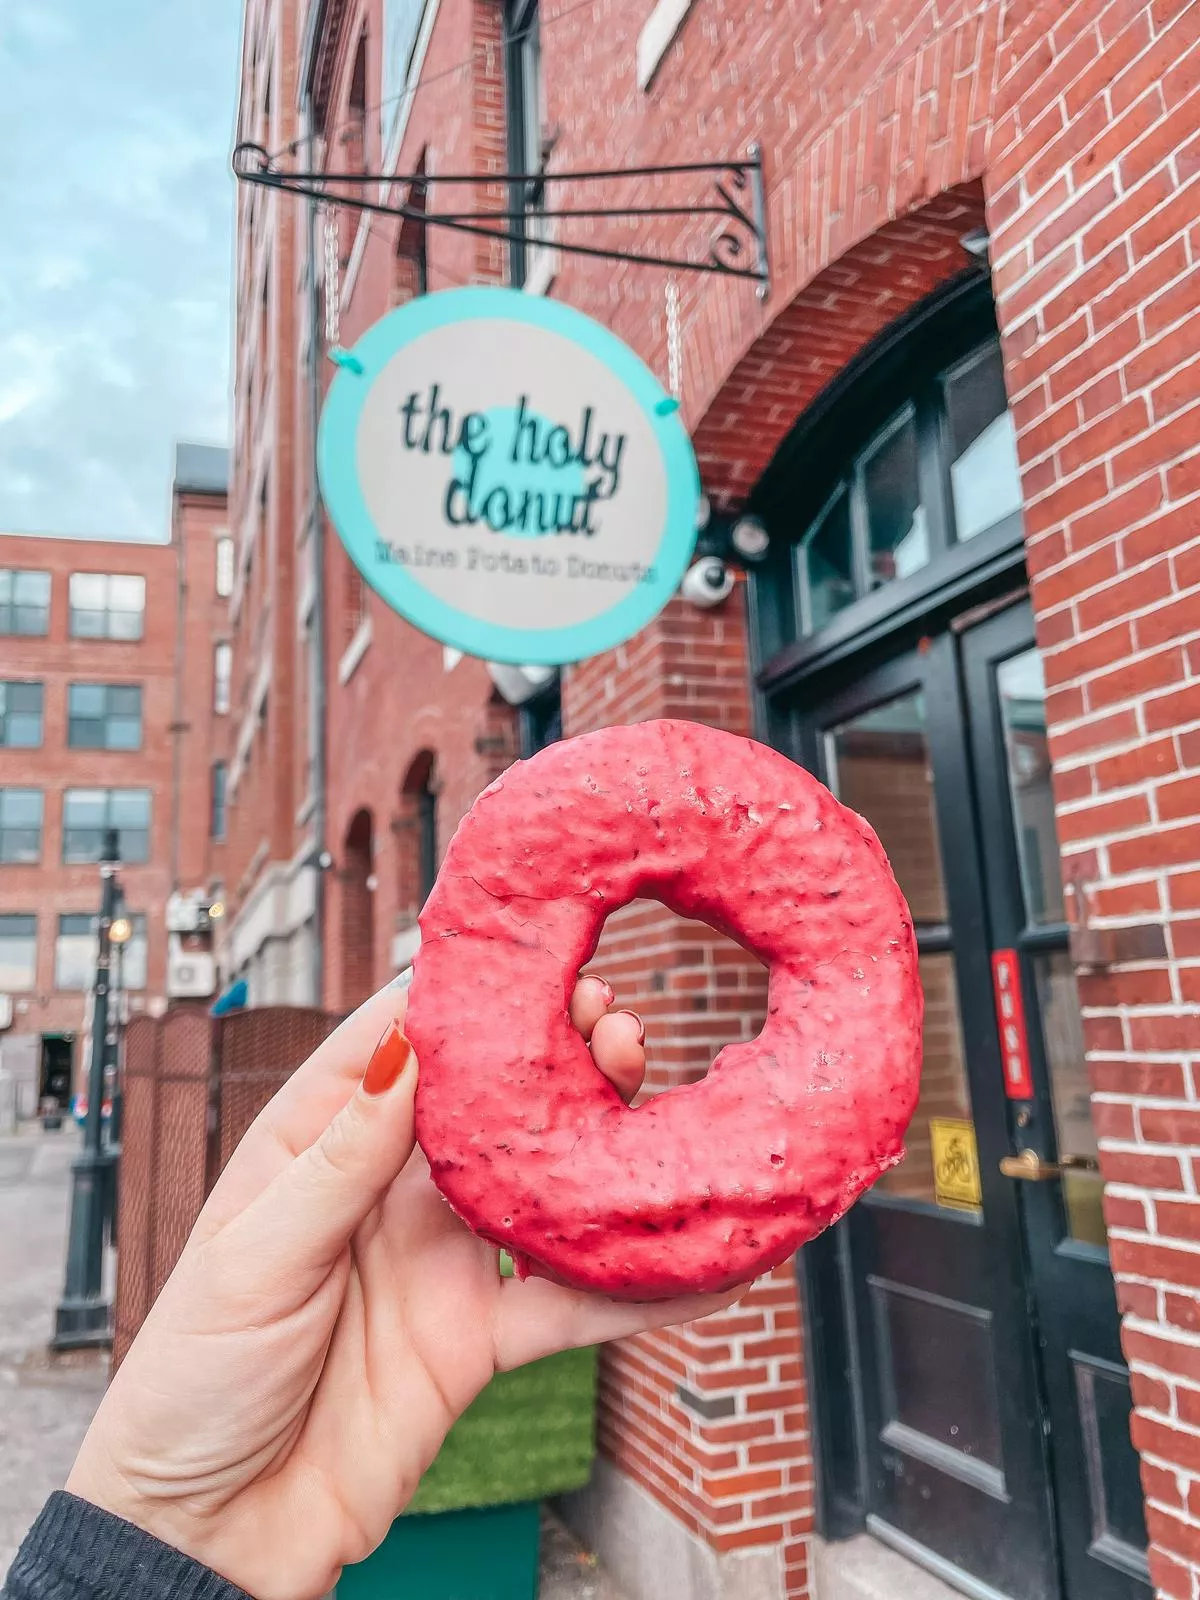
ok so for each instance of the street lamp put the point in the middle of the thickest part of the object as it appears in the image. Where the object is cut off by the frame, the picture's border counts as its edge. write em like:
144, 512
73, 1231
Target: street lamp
119, 936
82, 1317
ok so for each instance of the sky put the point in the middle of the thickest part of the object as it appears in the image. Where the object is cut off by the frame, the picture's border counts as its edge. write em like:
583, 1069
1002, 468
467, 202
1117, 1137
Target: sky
116, 219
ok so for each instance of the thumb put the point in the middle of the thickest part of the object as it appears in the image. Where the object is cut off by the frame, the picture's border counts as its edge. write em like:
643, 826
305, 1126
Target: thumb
305, 1217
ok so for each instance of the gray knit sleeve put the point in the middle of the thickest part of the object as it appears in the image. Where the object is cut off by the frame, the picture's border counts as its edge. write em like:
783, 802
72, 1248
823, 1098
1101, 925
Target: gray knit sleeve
75, 1551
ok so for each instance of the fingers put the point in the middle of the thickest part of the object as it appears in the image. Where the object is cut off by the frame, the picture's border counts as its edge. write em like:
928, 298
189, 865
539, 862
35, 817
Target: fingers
306, 1216
619, 1052
591, 1000
537, 1318
616, 1037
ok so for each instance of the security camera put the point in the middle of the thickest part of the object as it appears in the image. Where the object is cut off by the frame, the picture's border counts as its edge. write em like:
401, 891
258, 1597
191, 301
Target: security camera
707, 582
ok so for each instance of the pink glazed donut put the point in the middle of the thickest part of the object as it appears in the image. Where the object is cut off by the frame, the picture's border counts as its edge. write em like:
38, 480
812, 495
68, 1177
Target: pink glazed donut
705, 1186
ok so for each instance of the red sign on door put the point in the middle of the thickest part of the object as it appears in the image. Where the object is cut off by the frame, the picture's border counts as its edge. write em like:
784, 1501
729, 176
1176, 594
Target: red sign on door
1010, 1018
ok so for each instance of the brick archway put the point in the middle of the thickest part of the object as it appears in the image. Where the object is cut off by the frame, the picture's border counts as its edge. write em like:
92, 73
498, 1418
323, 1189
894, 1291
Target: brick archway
825, 326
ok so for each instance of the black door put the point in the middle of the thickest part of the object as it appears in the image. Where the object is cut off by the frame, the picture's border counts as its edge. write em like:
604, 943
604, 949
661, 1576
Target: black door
988, 1407
1053, 1169
947, 1393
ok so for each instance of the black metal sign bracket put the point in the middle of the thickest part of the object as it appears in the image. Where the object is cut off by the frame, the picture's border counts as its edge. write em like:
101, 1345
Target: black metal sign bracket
733, 194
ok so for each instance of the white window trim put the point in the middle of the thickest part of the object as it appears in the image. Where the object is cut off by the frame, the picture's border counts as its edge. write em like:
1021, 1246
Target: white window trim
657, 35
355, 651
541, 269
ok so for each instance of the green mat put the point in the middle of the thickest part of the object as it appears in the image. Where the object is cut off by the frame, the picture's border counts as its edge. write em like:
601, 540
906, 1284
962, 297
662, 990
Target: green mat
531, 1433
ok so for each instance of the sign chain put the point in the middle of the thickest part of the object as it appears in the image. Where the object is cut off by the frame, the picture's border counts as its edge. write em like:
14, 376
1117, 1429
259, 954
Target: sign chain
333, 291
674, 342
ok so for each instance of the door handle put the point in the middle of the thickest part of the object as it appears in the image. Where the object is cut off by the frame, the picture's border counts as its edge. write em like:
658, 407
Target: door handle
1030, 1167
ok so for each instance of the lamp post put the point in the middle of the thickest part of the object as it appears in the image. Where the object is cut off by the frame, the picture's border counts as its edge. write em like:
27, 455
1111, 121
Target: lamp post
82, 1317
119, 936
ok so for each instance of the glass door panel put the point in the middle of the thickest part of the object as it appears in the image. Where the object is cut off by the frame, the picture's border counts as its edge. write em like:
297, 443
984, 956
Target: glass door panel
878, 764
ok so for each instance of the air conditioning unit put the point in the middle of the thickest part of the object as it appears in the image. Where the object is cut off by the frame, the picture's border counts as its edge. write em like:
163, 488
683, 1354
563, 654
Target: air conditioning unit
188, 913
6, 1011
191, 974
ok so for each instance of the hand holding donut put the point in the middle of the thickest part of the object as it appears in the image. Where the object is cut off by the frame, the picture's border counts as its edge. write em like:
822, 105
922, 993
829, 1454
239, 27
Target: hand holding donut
328, 1320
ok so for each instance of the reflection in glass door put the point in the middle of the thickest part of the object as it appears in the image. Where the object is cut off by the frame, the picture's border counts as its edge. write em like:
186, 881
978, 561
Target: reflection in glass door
1098, 1501
883, 755
1021, 695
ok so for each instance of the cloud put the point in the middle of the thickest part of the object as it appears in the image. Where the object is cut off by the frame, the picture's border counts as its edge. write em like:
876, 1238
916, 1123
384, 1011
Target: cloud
115, 255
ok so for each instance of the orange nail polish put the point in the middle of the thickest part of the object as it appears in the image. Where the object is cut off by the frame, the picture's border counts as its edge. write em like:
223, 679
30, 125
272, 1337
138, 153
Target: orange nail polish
638, 1020
391, 1056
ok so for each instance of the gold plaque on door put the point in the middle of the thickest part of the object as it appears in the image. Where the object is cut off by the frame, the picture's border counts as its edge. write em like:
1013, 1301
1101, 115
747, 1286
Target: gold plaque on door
955, 1164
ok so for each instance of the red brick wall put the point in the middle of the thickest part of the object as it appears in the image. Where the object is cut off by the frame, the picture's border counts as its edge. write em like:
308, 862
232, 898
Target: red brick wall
1094, 189
885, 128
1092, 201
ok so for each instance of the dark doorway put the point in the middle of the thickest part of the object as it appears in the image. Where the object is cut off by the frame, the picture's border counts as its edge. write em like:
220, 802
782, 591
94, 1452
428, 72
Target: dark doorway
972, 1298
971, 1405
58, 1051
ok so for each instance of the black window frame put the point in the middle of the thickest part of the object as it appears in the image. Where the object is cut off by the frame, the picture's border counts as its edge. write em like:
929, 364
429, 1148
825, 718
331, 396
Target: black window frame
7, 710
81, 857
910, 357
12, 607
522, 126
11, 855
77, 719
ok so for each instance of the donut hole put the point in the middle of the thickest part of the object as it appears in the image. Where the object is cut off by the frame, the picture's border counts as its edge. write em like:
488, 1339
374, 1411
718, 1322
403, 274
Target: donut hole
695, 989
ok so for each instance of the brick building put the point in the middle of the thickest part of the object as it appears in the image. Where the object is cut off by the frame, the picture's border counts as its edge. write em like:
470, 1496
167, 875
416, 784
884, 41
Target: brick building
106, 649
966, 415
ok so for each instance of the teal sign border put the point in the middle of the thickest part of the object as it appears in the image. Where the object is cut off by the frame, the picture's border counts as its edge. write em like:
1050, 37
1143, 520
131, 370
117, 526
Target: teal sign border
337, 467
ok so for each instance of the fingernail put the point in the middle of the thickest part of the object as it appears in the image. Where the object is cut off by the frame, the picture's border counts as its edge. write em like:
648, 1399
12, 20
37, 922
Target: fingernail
610, 994
391, 1055
641, 1025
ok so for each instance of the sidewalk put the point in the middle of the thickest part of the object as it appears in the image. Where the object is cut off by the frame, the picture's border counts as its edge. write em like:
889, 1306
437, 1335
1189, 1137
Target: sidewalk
45, 1403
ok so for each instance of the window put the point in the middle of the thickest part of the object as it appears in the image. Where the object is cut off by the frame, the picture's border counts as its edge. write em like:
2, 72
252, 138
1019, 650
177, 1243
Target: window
523, 102
75, 951
985, 477
107, 606
21, 716
932, 464
222, 677
88, 814
24, 602
18, 952
104, 716
224, 566
129, 959
354, 135
401, 25
216, 826
20, 826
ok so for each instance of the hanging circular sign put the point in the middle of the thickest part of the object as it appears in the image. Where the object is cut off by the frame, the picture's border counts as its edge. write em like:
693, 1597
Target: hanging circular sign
509, 476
